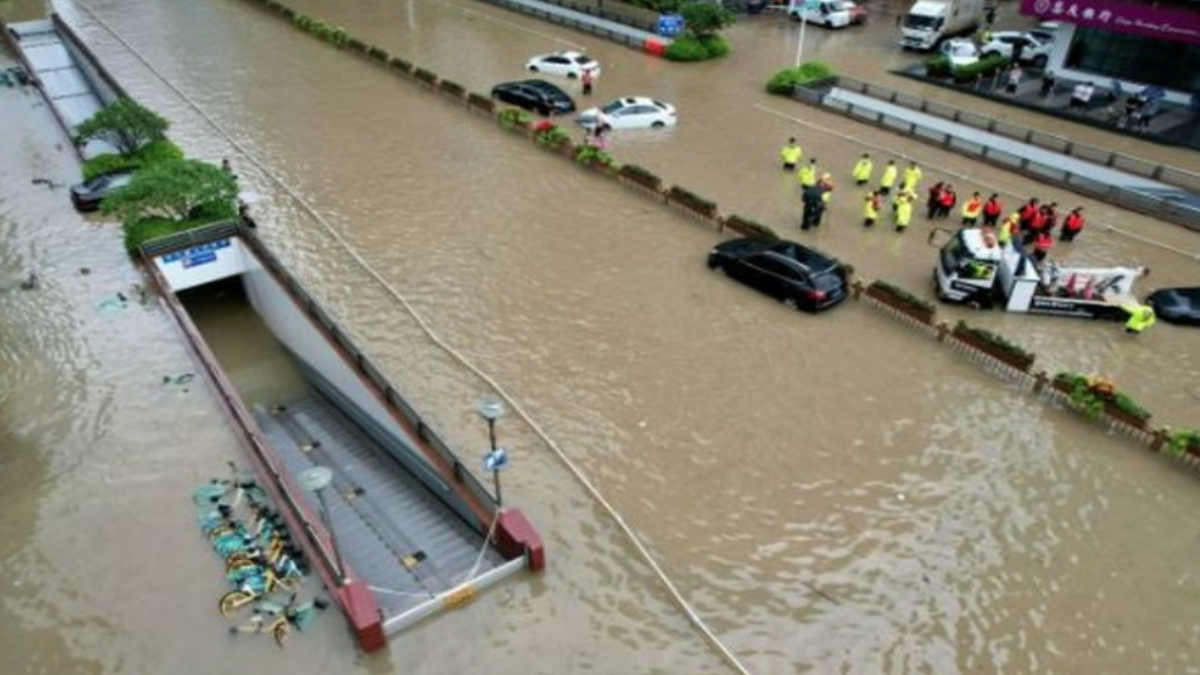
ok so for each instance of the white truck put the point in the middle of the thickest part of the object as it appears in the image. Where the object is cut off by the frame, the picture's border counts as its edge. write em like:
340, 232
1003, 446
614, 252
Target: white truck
973, 268
929, 22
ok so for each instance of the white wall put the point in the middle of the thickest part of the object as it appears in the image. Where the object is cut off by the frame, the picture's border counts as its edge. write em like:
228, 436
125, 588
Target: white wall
198, 265
292, 327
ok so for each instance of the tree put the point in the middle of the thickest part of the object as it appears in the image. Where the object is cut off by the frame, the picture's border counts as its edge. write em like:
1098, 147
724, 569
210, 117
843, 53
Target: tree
175, 190
706, 20
125, 125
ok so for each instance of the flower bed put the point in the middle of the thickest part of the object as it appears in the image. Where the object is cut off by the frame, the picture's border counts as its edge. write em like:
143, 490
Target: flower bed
1095, 396
692, 202
593, 157
902, 301
994, 345
514, 118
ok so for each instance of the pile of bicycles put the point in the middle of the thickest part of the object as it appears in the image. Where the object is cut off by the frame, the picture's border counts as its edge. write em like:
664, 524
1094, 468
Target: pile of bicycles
262, 565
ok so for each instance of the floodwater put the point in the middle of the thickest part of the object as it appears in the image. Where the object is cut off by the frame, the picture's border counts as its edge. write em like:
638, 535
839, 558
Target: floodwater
832, 493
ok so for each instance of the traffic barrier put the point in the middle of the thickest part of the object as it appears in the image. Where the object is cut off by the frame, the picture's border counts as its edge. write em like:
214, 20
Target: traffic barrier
654, 47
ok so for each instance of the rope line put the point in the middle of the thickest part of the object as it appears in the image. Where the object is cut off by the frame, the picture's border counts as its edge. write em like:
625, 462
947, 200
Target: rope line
672, 589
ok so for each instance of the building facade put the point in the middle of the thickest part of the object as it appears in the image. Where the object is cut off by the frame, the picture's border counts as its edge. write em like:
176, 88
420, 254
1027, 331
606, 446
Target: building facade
1126, 46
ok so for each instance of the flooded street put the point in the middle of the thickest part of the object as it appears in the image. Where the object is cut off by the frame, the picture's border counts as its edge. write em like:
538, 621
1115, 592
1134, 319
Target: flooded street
832, 492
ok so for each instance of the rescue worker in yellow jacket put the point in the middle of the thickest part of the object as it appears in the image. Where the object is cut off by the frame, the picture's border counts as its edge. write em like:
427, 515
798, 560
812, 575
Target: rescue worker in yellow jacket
904, 209
862, 170
912, 177
1141, 317
808, 173
791, 154
888, 181
871, 207
1009, 228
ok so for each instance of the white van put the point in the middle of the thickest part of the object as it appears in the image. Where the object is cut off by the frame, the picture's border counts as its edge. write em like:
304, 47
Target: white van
828, 13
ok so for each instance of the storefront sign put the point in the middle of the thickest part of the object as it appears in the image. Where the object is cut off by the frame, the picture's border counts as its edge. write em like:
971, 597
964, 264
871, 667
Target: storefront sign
197, 255
1119, 17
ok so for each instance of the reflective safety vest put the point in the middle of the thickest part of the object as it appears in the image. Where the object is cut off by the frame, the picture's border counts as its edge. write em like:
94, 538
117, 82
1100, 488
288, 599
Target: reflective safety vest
791, 154
808, 175
1073, 222
871, 207
912, 176
1043, 241
904, 209
993, 207
862, 170
972, 208
1141, 317
889, 176
1009, 228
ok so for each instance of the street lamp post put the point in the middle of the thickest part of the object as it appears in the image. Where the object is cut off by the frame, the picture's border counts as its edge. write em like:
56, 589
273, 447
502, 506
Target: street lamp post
316, 479
490, 410
803, 25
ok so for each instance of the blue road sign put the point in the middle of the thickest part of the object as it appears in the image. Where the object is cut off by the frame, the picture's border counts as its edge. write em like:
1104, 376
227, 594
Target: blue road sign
495, 460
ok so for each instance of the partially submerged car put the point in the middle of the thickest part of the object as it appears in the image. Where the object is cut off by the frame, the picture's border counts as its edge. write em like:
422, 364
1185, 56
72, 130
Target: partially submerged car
1177, 305
86, 196
630, 112
537, 96
802, 277
570, 64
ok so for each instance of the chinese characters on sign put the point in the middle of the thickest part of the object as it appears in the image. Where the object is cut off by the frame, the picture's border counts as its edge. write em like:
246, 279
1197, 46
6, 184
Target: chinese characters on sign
1120, 17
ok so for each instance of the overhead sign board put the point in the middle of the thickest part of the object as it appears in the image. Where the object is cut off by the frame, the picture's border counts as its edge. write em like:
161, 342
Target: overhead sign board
1165, 23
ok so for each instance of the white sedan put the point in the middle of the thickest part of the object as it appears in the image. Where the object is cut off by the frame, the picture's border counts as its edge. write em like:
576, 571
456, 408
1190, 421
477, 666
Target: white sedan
630, 112
571, 64
1033, 50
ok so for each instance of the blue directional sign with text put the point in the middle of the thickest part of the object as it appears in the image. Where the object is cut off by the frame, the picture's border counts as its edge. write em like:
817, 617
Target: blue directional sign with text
495, 460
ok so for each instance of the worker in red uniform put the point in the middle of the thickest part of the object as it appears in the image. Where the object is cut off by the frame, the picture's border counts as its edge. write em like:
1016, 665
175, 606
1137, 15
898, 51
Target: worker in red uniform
992, 210
1072, 224
1042, 243
946, 201
1028, 211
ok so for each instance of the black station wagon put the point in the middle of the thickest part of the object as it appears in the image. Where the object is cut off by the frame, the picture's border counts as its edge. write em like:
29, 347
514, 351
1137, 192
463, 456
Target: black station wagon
802, 277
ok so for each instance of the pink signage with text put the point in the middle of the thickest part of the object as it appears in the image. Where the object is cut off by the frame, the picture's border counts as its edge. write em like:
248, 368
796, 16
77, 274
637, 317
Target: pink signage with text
1120, 17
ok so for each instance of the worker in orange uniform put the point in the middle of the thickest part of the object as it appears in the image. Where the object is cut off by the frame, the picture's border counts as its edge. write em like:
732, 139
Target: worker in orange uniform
971, 210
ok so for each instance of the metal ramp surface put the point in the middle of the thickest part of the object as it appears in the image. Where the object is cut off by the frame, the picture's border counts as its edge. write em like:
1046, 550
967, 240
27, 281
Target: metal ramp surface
391, 530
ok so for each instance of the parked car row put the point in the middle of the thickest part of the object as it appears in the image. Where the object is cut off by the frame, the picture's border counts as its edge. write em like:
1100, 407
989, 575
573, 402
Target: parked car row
548, 99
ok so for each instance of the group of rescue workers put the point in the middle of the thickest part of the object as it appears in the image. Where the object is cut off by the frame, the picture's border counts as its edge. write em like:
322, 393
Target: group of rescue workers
1034, 222
1031, 226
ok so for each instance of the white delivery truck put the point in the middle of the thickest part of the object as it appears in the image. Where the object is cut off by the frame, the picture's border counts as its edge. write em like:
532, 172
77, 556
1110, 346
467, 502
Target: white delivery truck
973, 268
929, 22
828, 13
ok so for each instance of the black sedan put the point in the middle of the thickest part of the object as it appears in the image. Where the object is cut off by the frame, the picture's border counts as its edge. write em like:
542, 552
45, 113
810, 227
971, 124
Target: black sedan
87, 196
1177, 305
537, 96
802, 277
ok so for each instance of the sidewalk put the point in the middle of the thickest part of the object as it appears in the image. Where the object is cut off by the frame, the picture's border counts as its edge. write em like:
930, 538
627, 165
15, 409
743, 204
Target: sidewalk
1176, 125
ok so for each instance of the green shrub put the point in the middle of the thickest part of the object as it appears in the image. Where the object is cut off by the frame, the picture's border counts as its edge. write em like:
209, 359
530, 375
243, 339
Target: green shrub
716, 45
750, 228
1179, 441
643, 177
161, 150
552, 136
1089, 395
998, 341
938, 66
590, 154
138, 232
785, 81
514, 117
981, 68
687, 48
1130, 407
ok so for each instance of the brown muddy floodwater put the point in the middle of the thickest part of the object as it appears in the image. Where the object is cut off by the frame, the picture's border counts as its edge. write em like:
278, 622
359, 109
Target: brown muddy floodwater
831, 492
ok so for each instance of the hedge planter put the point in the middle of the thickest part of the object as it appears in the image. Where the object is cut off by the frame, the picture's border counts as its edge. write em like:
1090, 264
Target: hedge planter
481, 102
749, 228
636, 174
902, 301
427, 76
1095, 397
994, 346
401, 65
452, 88
692, 202
1117, 413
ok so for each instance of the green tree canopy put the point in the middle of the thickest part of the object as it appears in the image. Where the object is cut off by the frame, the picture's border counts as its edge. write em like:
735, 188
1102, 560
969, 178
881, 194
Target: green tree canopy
703, 19
125, 125
175, 190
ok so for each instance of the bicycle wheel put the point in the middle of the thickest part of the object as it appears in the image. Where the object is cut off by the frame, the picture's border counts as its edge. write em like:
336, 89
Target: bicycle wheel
232, 601
281, 631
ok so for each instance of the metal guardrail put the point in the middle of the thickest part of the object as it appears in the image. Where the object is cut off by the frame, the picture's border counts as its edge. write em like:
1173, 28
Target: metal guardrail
1180, 178
635, 36
1164, 208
